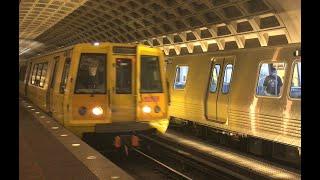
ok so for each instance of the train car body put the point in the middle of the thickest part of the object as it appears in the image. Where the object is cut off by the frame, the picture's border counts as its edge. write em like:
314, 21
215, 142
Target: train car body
89, 87
227, 92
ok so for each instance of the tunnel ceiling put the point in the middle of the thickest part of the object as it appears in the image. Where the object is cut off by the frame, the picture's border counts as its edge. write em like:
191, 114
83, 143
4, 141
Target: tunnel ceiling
169, 24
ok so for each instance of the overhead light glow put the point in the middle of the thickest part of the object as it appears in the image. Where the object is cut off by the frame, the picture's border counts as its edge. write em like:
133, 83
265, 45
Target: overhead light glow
96, 44
24, 51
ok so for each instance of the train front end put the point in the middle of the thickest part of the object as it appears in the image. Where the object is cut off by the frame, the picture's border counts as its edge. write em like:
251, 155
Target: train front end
116, 89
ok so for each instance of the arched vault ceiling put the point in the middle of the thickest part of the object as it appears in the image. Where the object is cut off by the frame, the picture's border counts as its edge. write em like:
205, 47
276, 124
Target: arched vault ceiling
169, 24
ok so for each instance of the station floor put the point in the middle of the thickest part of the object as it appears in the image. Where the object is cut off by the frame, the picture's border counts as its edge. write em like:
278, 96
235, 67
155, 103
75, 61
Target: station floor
45, 154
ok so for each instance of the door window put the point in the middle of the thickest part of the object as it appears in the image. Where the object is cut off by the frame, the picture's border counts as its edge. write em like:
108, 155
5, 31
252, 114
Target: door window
227, 78
123, 76
295, 89
54, 73
214, 78
64, 77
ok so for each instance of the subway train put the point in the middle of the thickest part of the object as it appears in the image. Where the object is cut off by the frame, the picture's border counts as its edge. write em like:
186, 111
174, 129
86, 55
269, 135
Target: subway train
99, 87
244, 98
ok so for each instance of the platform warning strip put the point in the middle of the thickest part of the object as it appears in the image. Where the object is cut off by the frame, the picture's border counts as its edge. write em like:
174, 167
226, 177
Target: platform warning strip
96, 163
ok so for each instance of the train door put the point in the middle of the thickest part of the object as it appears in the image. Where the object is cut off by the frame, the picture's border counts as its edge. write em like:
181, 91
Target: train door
295, 92
123, 99
59, 97
213, 89
50, 101
217, 101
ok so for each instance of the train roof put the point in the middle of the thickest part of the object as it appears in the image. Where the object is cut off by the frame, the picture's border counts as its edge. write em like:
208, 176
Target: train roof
88, 45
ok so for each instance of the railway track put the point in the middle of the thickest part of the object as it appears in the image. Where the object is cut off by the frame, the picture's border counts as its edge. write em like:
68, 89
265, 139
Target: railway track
157, 158
189, 163
175, 173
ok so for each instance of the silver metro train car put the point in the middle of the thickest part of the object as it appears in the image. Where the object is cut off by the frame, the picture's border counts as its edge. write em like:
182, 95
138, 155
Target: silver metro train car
247, 98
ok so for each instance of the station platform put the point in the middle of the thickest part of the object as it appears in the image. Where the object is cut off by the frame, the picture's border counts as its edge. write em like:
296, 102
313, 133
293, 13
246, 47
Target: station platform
49, 151
254, 164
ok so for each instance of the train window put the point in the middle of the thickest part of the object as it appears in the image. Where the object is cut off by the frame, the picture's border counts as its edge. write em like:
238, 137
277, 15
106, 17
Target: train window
271, 77
295, 89
181, 77
33, 76
22, 73
64, 77
150, 79
38, 75
214, 78
43, 74
227, 78
123, 76
91, 74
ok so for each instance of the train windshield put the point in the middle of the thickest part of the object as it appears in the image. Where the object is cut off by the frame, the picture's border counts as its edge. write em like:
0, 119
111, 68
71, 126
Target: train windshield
150, 75
91, 74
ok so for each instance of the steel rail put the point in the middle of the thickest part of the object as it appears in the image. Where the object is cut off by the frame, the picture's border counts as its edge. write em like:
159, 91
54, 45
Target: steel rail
162, 164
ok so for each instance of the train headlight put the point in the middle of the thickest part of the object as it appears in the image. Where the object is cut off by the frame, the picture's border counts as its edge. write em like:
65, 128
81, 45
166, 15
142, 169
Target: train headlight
97, 111
146, 109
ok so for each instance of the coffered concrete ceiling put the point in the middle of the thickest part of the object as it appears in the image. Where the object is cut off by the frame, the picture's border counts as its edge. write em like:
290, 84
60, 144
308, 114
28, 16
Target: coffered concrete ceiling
176, 26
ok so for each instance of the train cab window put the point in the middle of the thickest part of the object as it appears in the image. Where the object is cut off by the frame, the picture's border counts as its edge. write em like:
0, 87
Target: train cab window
43, 74
64, 77
227, 78
33, 76
295, 89
91, 74
270, 81
150, 79
214, 78
123, 76
181, 77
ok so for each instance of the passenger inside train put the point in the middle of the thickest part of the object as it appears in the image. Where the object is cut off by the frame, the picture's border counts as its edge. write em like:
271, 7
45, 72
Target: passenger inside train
271, 79
272, 83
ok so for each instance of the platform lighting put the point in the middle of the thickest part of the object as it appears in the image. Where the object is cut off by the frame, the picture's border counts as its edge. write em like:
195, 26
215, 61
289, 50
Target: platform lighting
96, 44
91, 157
